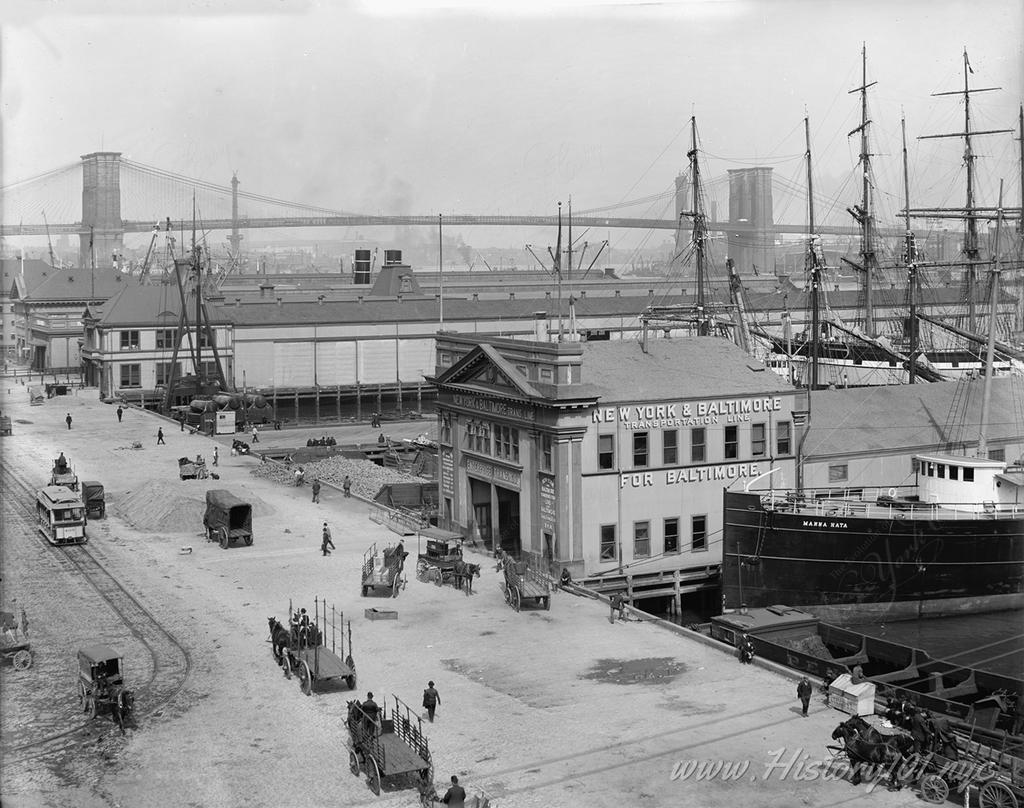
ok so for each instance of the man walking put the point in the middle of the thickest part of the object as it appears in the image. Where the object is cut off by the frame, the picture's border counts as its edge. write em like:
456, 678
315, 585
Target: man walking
326, 541
159, 436
431, 698
346, 486
68, 420
255, 434
316, 491
618, 605
803, 692
120, 413
455, 797
216, 456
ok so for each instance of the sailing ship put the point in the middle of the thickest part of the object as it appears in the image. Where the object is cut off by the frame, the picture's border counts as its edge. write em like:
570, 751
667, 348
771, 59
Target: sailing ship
855, 355
952, 543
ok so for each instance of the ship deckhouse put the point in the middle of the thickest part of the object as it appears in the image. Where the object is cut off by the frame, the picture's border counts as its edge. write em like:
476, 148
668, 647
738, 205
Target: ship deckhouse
971, 484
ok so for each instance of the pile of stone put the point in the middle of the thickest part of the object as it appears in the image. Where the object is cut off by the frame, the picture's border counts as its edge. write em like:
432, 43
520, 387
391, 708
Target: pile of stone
367, 477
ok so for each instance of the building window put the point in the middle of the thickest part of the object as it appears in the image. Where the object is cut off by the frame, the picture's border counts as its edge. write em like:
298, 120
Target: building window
697, 448
670, 447
163, 372
758, 440
968, 474
941, 469
547, 454
166, 338
838, 473
506, 443
672, 535
483, 438
446, 429
606, 451
997, 454
954, 472
639, 449
783, 438
131, 375
129, 340
732, 442
204, 340
608, 543
641, 539
699, 533
209, 370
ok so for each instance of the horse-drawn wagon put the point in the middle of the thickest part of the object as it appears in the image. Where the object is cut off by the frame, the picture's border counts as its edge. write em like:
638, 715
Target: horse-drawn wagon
384, 570
63, 474
389, 745
12, 647
443, 562
301, 647
94, 498
227, 518
101, 683
192, 469
523, 582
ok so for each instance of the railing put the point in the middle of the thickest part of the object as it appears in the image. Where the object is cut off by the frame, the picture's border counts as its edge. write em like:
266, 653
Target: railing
881, 503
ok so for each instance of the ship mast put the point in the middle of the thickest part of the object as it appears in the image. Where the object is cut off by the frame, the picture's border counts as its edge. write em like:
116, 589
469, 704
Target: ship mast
970, 211
986, 399
699, 231
813, 264
910, 258
863, 214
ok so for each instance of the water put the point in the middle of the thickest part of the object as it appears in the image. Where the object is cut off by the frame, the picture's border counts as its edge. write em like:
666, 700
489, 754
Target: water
991, 642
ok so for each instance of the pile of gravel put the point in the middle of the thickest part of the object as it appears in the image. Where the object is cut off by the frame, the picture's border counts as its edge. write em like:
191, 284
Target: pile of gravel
367, 477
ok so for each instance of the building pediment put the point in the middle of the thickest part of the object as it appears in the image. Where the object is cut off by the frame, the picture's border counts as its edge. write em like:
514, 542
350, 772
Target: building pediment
484, 369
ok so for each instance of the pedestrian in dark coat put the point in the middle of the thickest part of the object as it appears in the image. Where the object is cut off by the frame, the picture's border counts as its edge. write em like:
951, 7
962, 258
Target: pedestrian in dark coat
316, 491
120, 413
160, 436
216, 456
326, 541
68, 420
346, 486
919, 731
803, 692
431, 698
618, 606
455, 797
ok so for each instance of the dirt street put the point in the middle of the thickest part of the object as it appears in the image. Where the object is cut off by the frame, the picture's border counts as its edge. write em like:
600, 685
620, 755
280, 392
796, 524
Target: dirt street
541, 708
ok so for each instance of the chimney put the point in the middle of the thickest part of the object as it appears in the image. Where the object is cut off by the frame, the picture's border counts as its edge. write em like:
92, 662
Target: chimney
238, 301
320, 300
279, 302
399, 296
266, 288
360, 298
475, 296
618, 293
583, 293
511, 295
547, 295
540, 326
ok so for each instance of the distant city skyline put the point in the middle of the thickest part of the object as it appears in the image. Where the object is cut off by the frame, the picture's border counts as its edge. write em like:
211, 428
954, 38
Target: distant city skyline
504, 108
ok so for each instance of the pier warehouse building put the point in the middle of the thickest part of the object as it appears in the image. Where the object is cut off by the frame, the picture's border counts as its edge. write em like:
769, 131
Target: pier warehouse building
608, 459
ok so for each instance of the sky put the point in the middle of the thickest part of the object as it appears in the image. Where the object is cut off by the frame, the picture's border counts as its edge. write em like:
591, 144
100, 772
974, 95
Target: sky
399, 107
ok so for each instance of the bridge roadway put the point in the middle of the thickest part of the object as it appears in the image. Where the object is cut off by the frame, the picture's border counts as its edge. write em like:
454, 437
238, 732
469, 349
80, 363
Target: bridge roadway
450, 220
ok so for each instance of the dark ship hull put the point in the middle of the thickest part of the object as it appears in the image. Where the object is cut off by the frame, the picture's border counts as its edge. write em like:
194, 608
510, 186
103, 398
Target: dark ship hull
843, 566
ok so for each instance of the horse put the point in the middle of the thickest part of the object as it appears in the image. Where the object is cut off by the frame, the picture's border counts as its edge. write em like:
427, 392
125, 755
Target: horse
280, 638
465, 572
864, 745
122, 704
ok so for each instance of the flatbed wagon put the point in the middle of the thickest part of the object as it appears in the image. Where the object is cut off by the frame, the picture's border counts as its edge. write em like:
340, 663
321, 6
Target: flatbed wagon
383, 570
301, 648
14, 648
389, 746
522, 582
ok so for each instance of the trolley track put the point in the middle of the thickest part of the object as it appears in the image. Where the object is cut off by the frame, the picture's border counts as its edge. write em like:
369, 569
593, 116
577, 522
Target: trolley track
171, 662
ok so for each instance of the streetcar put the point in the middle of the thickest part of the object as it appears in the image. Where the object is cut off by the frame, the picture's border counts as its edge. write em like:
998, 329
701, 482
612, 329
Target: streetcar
61, 515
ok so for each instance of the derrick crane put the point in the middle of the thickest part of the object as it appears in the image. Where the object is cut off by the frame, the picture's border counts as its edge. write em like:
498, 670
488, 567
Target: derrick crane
144, 271
49, 243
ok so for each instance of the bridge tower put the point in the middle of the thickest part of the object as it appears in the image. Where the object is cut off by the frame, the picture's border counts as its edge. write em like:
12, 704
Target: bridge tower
101, 209
750, 202
235, 239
